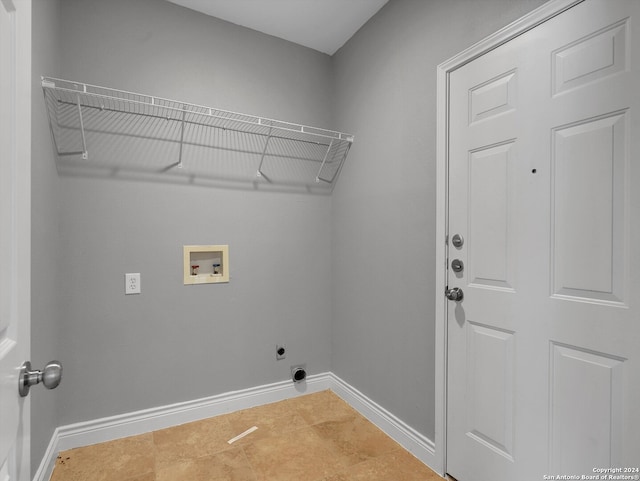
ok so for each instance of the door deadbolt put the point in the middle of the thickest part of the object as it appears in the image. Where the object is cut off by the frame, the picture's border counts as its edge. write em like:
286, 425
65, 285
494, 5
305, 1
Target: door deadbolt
454, 294
457, 265
457, 240
50, 377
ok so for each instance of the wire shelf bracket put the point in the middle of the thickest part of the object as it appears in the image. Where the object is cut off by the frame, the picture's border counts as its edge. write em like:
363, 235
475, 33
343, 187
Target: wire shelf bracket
259, 173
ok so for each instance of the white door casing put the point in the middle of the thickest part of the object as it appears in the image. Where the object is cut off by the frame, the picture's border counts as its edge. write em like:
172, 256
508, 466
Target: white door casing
543, 377
15, 242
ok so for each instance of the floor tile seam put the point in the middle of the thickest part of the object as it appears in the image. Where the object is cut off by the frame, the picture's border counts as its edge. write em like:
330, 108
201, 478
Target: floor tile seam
394, 448
321, 444
333, 420
247, 441
263, 421
345, 470
212, 453
203, 456
196, 458
342, 470
328, 446
155, 453
340, 418
140, 475
248, 461
377, 456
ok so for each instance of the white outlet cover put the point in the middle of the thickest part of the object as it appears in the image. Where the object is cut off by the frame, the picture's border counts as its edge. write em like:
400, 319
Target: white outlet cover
132, 283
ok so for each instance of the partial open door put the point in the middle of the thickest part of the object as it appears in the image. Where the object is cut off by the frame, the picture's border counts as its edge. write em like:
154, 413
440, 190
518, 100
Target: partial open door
15, 234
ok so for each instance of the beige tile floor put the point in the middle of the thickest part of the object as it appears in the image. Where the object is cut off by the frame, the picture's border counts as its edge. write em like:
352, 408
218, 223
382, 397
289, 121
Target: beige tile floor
317, 437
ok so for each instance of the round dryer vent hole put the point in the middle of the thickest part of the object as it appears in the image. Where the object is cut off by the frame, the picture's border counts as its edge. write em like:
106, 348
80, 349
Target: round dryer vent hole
298, 374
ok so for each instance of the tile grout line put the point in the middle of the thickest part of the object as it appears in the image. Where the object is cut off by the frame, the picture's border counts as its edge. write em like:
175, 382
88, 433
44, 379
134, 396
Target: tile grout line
246, 458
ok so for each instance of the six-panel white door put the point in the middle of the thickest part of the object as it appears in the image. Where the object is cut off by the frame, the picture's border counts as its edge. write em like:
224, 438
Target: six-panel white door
15, 215
544, 188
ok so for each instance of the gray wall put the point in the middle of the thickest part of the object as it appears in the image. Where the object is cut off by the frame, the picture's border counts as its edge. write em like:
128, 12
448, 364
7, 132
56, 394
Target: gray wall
45, 219
346, 281
383, 212
173, 342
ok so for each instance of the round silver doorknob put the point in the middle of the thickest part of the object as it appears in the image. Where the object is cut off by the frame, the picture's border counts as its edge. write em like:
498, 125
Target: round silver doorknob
50, 377
454, 294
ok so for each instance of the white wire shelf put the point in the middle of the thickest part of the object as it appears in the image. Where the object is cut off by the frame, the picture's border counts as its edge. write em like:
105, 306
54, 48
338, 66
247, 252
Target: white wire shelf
93, 125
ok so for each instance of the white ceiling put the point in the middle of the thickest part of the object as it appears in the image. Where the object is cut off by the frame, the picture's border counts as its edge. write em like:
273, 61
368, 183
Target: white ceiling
323, 25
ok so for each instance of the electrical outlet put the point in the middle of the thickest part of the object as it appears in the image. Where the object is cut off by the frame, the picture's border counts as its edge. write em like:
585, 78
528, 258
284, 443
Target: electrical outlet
281, 352
132, 283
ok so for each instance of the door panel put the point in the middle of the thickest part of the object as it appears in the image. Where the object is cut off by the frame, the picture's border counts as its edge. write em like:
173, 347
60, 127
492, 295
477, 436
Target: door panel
594, 57
588, 210
490, 235
493, 97
490, 387
577, 446
543, 369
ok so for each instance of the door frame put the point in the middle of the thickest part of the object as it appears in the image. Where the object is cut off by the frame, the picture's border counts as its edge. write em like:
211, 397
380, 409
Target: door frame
444, 71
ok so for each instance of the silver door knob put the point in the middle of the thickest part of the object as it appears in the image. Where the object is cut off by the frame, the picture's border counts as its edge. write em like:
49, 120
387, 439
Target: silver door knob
454, 294
50, 377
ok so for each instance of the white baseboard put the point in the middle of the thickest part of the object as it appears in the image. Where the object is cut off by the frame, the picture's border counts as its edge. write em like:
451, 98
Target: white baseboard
139, 422
417, 444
